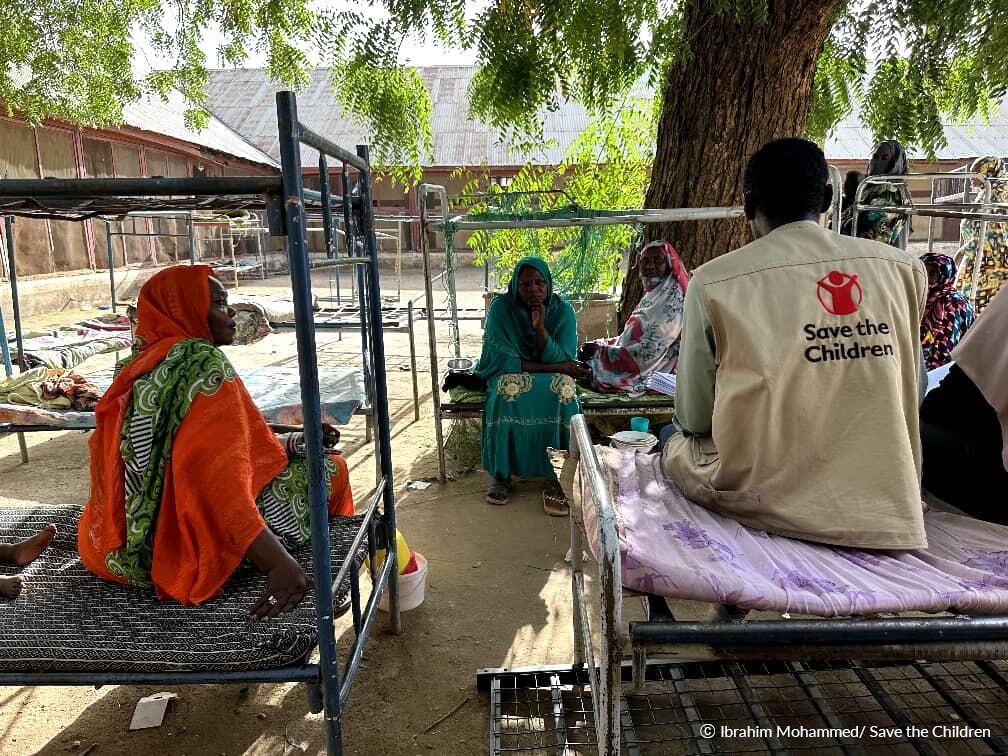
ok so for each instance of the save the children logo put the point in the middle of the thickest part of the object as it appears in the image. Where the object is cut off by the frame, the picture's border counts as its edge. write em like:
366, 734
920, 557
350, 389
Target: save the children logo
839, 293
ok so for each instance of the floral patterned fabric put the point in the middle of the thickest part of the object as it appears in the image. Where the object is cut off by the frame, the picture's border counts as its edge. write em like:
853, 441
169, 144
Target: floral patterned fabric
879, 226
947, 313
526, 413
994, 247
649, 342
673, 547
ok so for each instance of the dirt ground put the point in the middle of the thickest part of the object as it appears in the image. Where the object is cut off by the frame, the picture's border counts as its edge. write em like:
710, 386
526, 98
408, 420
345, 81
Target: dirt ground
498, 594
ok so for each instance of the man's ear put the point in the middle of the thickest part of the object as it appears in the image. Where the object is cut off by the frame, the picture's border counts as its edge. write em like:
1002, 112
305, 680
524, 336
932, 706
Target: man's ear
827, 199
749, 205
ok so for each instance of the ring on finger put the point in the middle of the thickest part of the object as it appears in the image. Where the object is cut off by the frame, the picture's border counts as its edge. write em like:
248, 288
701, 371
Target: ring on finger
271, 600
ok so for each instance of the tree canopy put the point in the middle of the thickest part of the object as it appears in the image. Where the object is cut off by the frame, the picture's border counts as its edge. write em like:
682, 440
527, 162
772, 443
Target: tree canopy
906, 61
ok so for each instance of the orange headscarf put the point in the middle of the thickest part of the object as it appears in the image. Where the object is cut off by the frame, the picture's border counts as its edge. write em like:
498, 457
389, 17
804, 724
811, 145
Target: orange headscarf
222, 456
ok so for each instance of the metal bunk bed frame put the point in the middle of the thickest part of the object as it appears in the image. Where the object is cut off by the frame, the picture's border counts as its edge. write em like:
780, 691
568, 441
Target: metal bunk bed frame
328, 686
985, 212
630, 217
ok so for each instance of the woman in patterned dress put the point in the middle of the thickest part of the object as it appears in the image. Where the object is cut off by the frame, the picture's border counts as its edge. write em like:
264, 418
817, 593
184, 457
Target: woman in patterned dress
528, 363
994, 247
947, 313
187, 478
889, 159
649, 342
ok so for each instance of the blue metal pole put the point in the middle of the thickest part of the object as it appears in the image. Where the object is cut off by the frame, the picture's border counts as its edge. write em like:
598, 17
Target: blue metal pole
381, 387
297, 254
326, 206
5, 347
15, 302
111, 262
16, 307
348, 236
361, 295
327, 219
192, 239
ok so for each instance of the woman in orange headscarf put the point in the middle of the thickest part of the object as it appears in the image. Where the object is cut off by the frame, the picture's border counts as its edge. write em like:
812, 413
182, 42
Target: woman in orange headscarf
187, 478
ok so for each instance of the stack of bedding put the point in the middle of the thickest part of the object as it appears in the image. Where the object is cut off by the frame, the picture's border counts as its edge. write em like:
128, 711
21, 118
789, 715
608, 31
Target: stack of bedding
69, 346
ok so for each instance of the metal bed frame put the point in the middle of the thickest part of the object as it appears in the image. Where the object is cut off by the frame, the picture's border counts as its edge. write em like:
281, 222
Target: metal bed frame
730, 639
191, 234
448, 410
328, 686
939, 207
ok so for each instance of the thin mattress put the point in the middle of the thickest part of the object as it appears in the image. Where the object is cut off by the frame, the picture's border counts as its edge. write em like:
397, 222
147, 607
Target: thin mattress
672, 547
66, 619
275, 390
69, 346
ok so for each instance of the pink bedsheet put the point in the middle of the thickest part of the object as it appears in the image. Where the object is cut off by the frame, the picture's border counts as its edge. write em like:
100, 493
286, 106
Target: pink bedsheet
673, 547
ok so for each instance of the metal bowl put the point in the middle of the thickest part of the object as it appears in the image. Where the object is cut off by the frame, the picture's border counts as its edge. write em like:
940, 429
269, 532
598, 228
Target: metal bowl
460, 363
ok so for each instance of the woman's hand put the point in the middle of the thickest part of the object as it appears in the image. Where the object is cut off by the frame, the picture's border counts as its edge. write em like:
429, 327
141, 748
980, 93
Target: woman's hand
575, 369
285, 580
330, 436
286, 584
538, 313
538, 317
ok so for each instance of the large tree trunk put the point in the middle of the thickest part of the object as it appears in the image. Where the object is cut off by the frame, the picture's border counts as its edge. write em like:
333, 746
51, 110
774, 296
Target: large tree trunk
742, 85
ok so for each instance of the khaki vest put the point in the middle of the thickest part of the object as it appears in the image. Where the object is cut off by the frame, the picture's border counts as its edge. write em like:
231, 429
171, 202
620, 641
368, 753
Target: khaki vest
815, 428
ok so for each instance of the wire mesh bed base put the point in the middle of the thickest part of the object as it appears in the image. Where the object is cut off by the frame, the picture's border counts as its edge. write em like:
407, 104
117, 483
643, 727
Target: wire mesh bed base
68, 620
832, 640
760, 707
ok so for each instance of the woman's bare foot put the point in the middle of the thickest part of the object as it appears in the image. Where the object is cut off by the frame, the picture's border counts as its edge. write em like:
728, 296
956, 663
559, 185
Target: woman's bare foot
10, 586
27, 551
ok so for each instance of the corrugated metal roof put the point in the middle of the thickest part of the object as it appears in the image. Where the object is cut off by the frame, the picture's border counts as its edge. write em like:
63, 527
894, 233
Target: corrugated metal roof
244, 100
155, 115
971, 139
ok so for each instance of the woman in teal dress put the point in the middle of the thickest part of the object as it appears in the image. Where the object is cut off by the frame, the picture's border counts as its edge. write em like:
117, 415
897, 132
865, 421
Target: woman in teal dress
528, 363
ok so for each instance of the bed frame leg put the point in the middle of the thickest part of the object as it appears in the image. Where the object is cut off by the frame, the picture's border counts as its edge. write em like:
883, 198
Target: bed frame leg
413, 365
315, 704
639, 668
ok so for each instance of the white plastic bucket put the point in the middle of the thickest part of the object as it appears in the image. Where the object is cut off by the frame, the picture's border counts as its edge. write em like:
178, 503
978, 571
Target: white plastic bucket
411, 587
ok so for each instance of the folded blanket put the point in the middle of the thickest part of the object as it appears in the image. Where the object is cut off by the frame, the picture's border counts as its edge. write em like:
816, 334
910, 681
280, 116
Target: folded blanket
50, 389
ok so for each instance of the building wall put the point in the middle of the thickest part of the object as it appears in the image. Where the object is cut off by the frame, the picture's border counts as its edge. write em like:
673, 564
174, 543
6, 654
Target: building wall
57, 150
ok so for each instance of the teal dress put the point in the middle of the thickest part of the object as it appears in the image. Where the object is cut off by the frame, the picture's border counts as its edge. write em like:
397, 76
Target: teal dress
526, 412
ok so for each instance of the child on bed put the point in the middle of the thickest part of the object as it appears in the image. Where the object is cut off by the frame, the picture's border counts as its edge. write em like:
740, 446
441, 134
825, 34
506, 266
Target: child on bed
810, 343
23, 554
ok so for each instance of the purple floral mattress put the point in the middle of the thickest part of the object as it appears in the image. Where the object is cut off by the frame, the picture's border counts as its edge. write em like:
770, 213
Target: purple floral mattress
675, 548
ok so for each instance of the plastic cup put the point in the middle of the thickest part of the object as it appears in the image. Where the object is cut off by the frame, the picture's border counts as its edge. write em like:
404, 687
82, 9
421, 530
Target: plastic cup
639, 424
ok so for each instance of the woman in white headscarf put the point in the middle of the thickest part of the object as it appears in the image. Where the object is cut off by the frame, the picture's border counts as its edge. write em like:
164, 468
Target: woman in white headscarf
964, 421
649, 342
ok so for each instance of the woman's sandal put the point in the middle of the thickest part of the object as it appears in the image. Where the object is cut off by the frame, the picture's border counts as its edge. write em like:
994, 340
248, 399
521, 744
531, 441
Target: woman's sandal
499, 493
555, 503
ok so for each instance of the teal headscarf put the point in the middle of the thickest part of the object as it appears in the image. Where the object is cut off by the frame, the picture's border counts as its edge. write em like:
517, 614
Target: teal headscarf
509, 337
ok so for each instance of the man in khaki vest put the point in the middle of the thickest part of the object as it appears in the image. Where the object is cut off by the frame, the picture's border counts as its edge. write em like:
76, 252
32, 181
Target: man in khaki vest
800, 371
